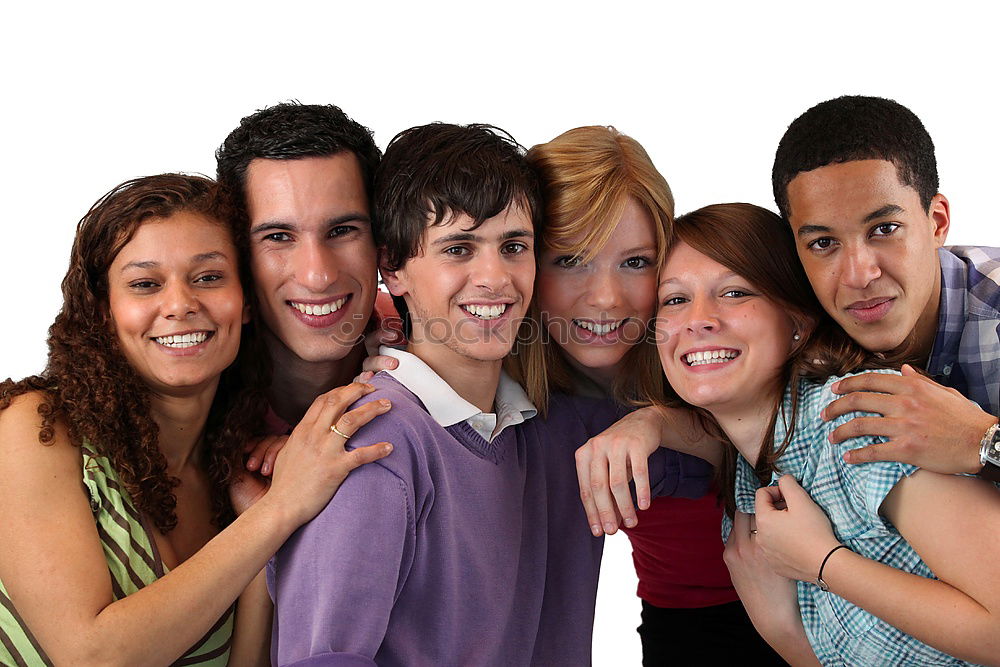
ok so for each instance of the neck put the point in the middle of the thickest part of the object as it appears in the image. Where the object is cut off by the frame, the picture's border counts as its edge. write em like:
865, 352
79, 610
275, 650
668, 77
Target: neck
295, 382
181, 420
591, 381
747, 427
475, 381
921, 341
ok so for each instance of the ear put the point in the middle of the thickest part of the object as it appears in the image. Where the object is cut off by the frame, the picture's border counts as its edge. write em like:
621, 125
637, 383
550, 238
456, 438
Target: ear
939, 213
395, 281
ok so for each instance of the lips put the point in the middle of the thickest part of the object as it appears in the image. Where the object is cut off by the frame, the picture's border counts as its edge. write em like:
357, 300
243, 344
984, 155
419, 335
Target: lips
320, 314
871, 310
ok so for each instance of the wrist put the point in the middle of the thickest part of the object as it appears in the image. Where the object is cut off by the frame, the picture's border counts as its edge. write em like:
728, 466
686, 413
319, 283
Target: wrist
822, 572
987, 450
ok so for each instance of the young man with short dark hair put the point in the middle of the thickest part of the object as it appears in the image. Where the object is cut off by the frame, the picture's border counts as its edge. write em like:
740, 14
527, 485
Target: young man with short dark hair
856, 177
468, 544
301, 175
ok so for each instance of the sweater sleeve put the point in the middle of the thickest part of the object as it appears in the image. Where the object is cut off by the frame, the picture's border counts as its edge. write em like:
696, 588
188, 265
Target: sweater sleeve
335, 581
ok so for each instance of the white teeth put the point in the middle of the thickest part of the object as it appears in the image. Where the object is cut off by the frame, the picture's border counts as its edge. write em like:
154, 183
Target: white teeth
710, 357
486, 312
324, 309
599, 329
183, 340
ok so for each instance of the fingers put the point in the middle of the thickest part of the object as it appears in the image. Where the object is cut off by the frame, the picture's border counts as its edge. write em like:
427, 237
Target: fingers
861, 401
331, 406
255, 450
379, 362
640, 475
741, 529
271, 453
362, 455
790, 488
862, 426
350, 422
601, 491
883, 451
878, 382
583, 457
618, 478
343, 396
768, 499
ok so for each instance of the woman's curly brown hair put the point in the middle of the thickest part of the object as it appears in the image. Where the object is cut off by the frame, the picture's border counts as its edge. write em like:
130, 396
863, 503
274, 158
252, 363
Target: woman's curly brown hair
90, 387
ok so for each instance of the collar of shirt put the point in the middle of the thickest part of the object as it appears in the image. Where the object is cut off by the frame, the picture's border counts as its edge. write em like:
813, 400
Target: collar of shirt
951, 314
447, 408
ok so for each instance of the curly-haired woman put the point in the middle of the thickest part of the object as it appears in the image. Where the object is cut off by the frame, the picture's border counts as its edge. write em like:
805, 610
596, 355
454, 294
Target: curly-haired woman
118, 544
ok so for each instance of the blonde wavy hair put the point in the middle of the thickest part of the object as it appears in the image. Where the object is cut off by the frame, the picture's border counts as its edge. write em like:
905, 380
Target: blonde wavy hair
587, 177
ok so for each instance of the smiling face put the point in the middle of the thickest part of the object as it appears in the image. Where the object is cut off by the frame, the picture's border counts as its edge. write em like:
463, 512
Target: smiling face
869, 249
597, 310
468, 289
721, 343
176, 303
312, 253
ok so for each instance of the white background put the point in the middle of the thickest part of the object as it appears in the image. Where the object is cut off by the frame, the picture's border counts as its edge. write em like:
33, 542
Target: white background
94, 95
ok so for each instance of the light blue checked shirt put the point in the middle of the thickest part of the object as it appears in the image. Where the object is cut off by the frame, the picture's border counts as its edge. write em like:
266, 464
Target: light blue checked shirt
840, 632
966, 353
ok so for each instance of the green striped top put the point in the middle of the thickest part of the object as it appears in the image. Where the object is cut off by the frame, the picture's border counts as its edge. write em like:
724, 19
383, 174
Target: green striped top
133, 561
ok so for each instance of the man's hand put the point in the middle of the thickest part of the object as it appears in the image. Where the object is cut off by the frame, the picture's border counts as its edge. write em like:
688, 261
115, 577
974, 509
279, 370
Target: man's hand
929, 426
793, 532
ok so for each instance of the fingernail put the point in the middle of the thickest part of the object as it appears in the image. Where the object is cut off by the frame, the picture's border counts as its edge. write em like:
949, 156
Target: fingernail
609, 527
596, 530
394, 363
822, 414
252, 463
629, 522
387, 449
643, 503
265, 469
835, 386
385, 403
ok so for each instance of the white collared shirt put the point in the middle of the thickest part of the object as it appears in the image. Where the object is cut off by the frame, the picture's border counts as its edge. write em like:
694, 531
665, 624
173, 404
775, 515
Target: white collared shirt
447, 408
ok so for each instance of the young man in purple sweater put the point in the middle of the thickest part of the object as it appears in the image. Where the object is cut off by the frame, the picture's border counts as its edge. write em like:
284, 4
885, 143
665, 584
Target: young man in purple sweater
467, 545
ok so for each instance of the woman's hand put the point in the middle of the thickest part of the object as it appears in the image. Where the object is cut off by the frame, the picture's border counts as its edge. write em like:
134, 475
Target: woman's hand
314, 461
793, 533
770, 599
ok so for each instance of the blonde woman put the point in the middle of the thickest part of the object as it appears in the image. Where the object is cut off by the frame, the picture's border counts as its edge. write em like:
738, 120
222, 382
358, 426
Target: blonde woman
608, 217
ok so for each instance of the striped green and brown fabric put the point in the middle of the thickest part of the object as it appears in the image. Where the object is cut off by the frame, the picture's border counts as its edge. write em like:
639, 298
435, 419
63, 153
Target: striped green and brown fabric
133, 561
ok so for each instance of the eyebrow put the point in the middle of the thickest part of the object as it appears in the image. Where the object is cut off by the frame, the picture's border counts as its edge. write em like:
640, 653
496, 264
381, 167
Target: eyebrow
729, 275
285, 226
197, 259
885, 211
469, 236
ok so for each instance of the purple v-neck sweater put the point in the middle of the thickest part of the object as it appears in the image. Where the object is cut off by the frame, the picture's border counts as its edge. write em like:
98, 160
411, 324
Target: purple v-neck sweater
454, 550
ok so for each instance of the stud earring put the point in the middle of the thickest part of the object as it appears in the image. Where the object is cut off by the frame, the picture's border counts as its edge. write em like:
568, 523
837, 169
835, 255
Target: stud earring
796, 337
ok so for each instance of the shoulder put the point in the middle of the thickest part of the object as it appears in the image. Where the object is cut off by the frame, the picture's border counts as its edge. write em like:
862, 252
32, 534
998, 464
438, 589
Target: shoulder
22, 435
407, 426
977, 271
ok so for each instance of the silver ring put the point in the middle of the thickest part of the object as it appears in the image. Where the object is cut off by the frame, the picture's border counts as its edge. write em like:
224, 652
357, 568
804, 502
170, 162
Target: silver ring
333, 427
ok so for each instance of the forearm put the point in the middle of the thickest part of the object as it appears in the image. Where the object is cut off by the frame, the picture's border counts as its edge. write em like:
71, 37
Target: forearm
157, 624
681, 430
252, 635
931, 610
789, 640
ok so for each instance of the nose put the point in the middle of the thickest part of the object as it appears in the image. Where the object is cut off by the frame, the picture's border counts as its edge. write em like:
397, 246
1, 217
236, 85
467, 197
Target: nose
314, 266
179, 300
860, 267
702, 317
491, 272
604, 290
